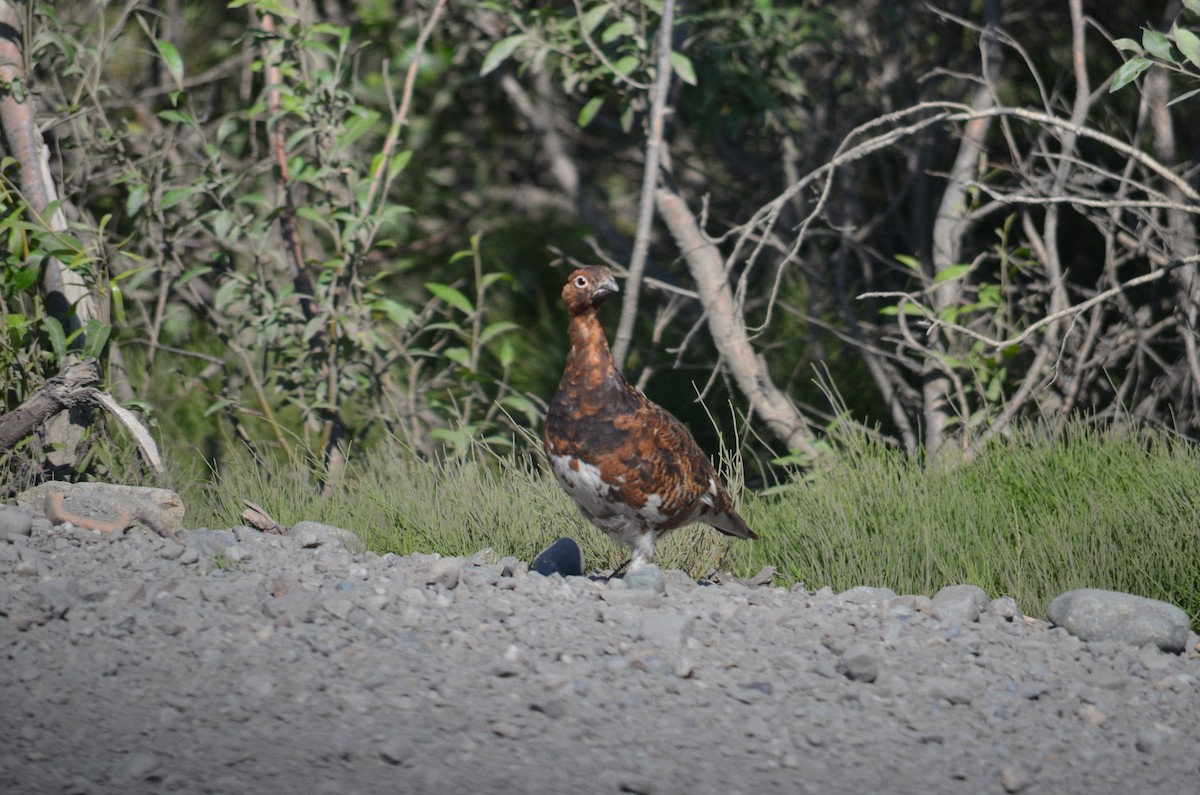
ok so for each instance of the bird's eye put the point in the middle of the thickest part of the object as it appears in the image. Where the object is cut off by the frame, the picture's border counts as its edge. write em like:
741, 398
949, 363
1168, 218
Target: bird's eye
581, 281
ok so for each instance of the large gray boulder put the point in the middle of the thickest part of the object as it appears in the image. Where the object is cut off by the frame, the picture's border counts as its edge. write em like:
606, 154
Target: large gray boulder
1094, 614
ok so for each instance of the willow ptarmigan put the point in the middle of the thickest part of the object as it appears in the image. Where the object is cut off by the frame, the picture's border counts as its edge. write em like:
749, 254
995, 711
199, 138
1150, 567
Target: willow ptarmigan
632, 468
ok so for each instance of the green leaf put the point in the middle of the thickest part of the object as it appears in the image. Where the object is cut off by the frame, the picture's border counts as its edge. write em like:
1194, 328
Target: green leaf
136, 199
627, 117
682, 66
909, 308
907, 261
1189, 45
518, 403
948, 274
626, 65
500, 52
176, 117
118, 305
589, 111
396, 312
357, 124
226, 293
172, 197
170, 57
1192, 5
495, 329
192, 273
58, 340
451, 296
97, 338
1127, 44
460, 356
594, 17
1182, 97
622, 27
21, 280
1157, 45
399, 162
1128, 72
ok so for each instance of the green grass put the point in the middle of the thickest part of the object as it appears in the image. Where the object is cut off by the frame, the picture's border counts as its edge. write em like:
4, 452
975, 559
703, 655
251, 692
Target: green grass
1030, 517
400, 503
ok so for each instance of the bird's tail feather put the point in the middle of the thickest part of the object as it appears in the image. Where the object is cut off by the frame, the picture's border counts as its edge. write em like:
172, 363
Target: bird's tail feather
729, 523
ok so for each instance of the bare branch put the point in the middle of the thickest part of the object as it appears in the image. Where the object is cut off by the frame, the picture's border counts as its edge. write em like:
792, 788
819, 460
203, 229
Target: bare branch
727, 327
641, 240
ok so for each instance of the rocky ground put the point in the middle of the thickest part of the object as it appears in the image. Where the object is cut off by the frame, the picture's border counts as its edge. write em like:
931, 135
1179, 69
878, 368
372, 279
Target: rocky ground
238, 661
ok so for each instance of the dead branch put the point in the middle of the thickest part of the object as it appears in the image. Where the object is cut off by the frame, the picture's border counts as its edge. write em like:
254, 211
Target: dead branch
641, 240
728, 329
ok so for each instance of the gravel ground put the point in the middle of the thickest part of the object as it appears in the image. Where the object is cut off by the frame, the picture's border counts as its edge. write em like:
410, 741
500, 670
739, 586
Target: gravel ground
241, 662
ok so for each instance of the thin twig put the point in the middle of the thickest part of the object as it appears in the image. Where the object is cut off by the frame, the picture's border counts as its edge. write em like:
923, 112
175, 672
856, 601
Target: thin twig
400, 115
935, 322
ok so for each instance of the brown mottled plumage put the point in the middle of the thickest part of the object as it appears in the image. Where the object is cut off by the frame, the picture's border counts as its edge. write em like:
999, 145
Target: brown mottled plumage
633, 469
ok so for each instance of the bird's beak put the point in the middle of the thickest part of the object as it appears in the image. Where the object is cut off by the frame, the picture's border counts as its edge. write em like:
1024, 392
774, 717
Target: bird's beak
607, 286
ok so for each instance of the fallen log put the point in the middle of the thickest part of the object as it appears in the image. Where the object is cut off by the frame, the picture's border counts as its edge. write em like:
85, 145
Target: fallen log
68, 389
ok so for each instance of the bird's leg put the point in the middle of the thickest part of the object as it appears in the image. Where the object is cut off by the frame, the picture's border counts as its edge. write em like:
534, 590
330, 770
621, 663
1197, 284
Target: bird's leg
620, 569
643, 550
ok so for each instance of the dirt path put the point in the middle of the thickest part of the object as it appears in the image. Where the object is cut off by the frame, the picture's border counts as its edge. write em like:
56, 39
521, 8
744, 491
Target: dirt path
136, 665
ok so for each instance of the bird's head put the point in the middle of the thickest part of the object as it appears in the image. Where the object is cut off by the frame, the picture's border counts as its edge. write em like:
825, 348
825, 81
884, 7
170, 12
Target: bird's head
587, 288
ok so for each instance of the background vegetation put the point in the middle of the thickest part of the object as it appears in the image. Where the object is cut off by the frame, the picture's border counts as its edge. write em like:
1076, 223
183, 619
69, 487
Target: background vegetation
931, 269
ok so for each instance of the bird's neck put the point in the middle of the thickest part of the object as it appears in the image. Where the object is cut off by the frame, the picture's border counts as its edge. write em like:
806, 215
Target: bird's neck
590, 359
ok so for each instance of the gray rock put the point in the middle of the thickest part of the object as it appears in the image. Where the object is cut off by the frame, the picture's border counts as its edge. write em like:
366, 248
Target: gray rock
158, 505
1148, 739
867, 596
136, 766
647, 578
861, 663
209, 543
1004, 607
315, 534
1015, 778
15, 521
58, 595
1093, 614
338, 606
445, 573
956, 691
667, 628
959, 604
511, 567
395, 750
917, 603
